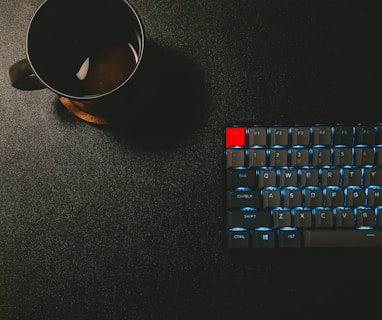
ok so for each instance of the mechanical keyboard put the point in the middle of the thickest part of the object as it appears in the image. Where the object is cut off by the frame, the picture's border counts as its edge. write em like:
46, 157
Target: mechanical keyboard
302, 186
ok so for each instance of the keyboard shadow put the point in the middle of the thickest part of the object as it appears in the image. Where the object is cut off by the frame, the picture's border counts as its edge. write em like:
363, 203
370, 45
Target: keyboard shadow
307, 254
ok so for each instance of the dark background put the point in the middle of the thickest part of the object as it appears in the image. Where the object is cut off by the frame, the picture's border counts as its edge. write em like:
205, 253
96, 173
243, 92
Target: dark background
104, 223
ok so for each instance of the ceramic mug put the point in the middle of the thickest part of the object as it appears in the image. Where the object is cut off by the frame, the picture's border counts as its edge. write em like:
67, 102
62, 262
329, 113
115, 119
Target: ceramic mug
89, 52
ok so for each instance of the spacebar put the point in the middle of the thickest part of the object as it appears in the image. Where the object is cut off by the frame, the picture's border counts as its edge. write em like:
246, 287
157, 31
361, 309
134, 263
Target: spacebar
343, 238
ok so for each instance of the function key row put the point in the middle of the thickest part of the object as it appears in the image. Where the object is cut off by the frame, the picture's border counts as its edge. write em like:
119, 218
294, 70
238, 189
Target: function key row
303, 135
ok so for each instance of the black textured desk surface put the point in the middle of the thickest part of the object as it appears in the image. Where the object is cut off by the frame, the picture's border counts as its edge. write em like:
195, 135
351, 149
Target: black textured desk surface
101, 224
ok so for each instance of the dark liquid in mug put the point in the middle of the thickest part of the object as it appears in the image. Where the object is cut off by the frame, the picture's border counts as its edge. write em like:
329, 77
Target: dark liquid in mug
102, 72
89, 50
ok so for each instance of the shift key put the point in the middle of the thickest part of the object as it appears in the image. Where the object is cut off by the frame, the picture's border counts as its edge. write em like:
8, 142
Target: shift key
243, 198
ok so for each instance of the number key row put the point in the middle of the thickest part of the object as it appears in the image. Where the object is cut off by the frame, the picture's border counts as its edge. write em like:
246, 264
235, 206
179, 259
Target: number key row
337, 156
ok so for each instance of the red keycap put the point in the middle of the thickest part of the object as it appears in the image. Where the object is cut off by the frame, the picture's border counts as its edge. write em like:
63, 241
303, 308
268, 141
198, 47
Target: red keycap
235, 137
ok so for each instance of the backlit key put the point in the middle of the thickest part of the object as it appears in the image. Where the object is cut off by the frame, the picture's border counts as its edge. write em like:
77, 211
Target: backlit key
235, 137
279, 136
257, 136
300, 136
322, 135
364, 135
235, 158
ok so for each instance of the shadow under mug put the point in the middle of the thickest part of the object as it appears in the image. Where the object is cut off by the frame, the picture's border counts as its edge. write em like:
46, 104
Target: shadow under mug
89, 52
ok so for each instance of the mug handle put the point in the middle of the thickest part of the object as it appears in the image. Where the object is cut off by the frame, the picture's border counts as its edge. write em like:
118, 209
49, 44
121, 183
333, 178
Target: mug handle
21, 76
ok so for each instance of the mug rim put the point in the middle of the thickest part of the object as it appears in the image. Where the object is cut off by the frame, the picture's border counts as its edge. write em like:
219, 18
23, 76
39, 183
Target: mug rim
93, 96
